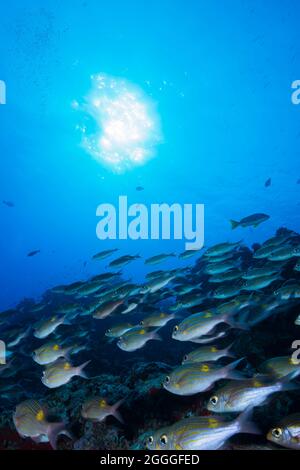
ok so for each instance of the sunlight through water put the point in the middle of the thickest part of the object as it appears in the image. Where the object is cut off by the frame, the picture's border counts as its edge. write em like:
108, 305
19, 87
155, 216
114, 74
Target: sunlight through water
122, 126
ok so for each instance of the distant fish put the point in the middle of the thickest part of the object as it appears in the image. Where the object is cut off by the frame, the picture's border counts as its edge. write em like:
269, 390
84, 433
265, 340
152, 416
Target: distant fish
159, 258
8, 203
139, 188
250, 221
298, 181
33, 253
268, 182
104, 254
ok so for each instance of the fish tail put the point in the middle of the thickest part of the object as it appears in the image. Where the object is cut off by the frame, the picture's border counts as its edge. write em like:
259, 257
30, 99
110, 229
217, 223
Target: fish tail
230, 373
245, 423
54, 430
234, 224
286, 384
155, 335
81, 372
228, 352
115, 410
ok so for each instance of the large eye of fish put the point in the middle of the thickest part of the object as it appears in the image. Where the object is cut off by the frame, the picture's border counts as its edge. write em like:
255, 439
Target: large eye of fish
163, 439
214, 400
167, 379
142, 322
150, 440
176, 327
185, 358
277, 433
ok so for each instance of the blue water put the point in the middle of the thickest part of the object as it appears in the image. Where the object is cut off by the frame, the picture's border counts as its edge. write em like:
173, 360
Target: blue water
227, 120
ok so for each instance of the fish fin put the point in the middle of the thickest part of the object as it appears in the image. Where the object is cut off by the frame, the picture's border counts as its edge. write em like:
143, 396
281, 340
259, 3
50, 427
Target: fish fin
234, 224
245, 423
81, 372
54, 430
227, 351
115, 412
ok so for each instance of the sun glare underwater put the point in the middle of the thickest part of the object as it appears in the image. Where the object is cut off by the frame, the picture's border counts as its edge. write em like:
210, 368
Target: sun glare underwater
126, 120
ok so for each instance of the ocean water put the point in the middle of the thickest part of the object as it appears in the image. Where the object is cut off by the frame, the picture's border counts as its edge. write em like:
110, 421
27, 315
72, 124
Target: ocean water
217, 78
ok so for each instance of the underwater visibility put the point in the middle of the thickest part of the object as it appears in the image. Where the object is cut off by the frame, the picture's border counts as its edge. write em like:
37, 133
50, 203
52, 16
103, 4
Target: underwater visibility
150, 226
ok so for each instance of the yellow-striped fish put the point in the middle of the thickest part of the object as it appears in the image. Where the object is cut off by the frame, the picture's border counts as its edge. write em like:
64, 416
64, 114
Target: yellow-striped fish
199, 433
30, 420
198, 377
97, 409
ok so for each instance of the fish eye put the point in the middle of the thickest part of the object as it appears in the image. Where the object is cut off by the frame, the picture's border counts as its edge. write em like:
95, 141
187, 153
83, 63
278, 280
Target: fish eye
167, 379
150, 440
185, 358
109, 330
214, 400
142, 322
176, 328
163, 439
277, 433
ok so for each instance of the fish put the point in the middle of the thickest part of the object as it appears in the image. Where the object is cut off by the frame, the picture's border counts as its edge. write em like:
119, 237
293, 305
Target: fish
231, 275
122, 261
287, 432
264, 251
106, 309
219, 268
19, 338
50, 352
253, 220
189, 379
226, 291
30, 420
188, 254
259, 282
157, 284
288, 291
104, 254
8, 203
116, 331
284, 253
280, 366
97, 409
239, 395
159, 258
200, 433
159, 319
139, 188
268, 182
221, 249
136, 338
206, 354
200, 324
61, 372
253, 273
46, 327
33, 253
